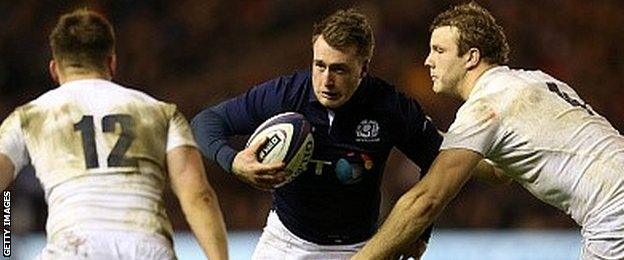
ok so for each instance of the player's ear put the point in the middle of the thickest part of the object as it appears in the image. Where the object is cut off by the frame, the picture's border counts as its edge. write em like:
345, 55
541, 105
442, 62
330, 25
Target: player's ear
473, 57
53, 69
364, 71
112, 64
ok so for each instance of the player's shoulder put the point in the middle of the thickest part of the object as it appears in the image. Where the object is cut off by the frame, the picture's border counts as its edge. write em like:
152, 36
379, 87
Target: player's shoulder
90, 88
502, 83
144, 99
44, 100
296, 79
377, 90
99, 94
297, 84
503, 89
131, 92
378, 84
288, 89
380, 93
300, 75
504, 79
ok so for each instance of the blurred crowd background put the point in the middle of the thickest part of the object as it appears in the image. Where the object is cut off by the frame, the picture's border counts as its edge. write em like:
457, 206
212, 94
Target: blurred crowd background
197, 53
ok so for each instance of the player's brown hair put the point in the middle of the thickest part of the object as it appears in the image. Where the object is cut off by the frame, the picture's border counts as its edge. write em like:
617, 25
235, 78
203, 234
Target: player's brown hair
477, 29
346, 28
82, 39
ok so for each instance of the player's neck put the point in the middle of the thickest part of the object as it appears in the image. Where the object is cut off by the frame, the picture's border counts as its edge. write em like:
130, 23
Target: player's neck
472, 76
68, 77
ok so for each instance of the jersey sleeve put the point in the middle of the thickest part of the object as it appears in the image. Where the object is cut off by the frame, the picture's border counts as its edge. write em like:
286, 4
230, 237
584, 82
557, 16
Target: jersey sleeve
421, 141
239, 116
476, 127
12, 142
179, 132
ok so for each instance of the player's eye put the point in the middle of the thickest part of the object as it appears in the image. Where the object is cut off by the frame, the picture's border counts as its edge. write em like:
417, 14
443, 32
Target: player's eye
319, 66
338, 69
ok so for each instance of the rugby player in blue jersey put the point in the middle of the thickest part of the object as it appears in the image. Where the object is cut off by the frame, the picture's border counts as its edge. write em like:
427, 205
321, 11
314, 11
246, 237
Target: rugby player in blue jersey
332, 208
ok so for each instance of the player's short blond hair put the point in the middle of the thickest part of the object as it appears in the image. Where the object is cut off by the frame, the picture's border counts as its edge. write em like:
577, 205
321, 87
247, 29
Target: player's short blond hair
346, 28
477, 29
83, 39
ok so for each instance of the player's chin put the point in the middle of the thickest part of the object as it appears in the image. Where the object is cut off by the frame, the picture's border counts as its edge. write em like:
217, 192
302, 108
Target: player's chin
437, 88
332, 103
441, 90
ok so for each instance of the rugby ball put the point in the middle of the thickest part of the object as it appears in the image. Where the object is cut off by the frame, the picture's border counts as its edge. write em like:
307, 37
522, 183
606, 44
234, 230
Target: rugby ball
289, 140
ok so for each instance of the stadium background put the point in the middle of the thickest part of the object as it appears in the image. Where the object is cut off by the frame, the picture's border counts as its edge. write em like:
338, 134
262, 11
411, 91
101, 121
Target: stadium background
197, 53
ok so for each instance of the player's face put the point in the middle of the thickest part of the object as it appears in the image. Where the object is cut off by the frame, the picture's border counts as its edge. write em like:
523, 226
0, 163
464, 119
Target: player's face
446, 68
336, 74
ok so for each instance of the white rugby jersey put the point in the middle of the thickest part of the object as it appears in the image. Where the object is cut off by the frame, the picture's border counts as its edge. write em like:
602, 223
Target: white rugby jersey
99, 151
538, 130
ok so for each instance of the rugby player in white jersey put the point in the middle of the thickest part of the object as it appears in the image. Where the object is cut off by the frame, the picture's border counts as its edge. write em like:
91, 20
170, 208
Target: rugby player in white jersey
104, 155
531, 125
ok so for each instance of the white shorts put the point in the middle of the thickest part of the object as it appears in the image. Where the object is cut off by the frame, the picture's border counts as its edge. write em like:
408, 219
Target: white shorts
105, 245
277, 242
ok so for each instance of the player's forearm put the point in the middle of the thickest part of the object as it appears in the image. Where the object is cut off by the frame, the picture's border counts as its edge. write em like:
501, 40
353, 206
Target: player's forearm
206, 221
412, 214
417, 208
198, 200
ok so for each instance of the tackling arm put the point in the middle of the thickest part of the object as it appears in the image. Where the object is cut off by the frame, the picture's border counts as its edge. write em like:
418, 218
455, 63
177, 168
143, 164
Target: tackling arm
198, 200
417, 208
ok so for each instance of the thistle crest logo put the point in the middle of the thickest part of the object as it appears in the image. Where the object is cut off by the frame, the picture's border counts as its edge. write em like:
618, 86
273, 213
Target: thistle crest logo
367, 131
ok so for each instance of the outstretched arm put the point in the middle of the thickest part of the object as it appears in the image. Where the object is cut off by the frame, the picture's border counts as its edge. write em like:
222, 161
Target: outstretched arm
422, 204
198, 200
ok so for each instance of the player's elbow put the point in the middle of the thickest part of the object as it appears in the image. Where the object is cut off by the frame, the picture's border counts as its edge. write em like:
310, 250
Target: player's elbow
198, 196
194, 191
208, 119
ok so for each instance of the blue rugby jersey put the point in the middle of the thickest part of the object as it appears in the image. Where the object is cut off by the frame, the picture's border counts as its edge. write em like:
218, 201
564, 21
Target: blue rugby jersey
336, 200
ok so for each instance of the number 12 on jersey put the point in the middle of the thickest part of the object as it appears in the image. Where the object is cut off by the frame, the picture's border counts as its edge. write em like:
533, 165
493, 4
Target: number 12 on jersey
117, 157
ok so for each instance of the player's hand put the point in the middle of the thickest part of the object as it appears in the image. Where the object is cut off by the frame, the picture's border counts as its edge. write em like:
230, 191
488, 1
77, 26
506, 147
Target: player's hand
414, 251
259, 175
